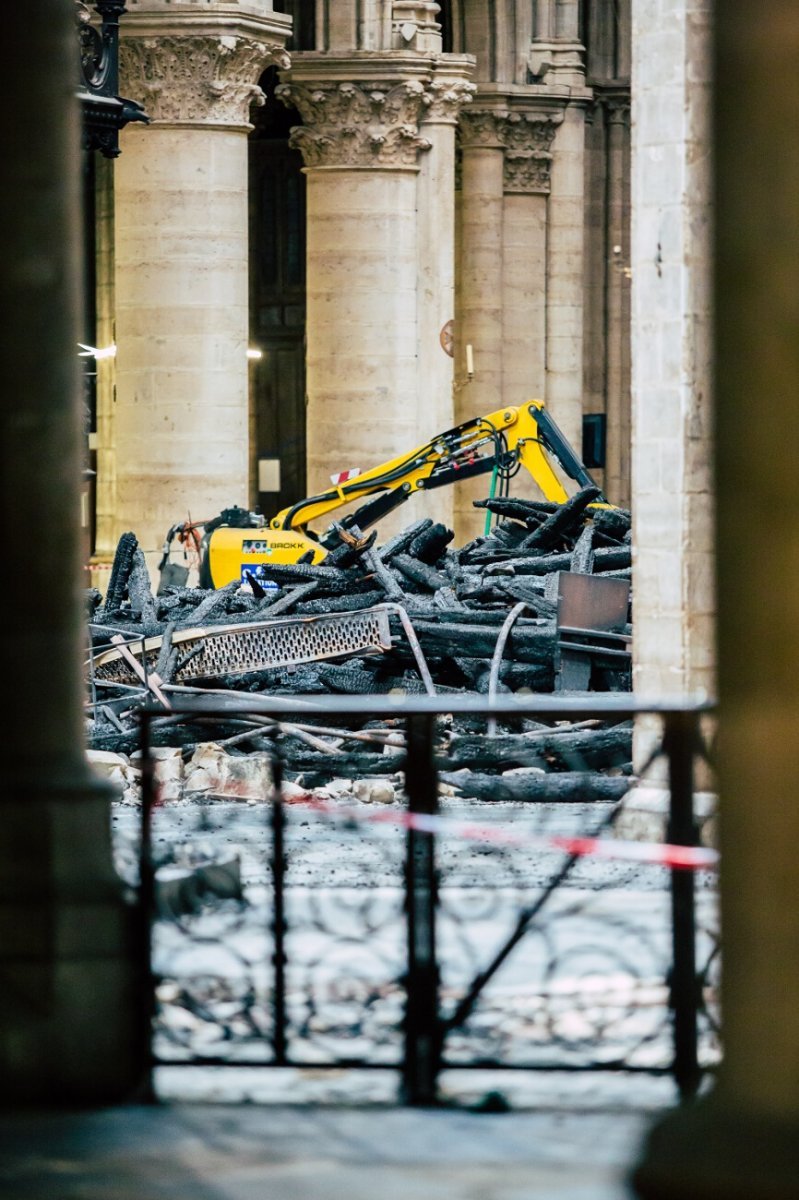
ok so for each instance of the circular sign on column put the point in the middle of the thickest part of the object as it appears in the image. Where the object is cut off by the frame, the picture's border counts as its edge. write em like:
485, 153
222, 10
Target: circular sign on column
447, 338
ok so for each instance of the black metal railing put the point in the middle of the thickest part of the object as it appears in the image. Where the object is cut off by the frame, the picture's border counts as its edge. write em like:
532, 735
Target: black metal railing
306, 928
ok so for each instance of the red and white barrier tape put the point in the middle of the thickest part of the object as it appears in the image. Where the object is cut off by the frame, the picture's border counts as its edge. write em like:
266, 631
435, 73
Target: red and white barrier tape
660, 854
685, 858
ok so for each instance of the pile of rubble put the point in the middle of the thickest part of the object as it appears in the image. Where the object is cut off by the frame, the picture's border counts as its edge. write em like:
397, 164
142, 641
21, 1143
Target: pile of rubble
482, 618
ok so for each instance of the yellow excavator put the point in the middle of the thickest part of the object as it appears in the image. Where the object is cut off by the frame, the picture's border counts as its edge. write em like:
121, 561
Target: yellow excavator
238, 544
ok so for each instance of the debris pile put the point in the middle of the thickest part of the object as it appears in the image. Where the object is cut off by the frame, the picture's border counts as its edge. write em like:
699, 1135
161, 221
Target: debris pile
482, 618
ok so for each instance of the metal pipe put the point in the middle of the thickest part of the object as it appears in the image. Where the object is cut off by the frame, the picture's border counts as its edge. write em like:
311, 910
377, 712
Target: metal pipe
496, 658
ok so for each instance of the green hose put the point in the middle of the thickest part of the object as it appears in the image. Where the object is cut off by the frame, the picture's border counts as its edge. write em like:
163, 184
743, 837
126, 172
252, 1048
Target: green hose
491, 492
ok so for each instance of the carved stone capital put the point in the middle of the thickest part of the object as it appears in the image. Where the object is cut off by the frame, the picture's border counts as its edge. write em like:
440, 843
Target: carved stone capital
618, 110
349, 124
528, 159
525, 139
200, 79
445, 98
610, 105
527, 173
482, 129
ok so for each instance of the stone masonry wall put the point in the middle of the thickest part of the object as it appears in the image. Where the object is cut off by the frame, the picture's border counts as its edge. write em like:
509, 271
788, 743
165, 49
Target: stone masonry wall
672, 497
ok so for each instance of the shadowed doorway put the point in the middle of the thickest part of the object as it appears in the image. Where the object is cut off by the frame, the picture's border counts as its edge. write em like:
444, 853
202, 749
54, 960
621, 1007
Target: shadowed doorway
277, 303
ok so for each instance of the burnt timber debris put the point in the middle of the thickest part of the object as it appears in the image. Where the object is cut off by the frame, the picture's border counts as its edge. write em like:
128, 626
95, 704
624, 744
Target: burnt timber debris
540, 603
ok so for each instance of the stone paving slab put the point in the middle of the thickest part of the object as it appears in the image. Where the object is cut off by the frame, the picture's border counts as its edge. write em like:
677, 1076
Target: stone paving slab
260, 1152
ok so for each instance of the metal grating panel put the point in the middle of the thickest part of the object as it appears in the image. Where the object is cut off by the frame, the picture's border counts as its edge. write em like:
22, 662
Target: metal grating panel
236, 649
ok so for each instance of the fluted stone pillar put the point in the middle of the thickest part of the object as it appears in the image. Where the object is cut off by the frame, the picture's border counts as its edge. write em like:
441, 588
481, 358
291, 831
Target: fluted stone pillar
672, 502
528, 137
503, 287
479, 320
556, 62
617, 468
436, 271
361, 142
527, 177
181, 428
69, 1024
105, 272
565, 276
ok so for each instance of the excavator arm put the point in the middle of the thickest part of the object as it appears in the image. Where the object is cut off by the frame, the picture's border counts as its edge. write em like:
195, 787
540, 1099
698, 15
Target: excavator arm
527, 435
505, 440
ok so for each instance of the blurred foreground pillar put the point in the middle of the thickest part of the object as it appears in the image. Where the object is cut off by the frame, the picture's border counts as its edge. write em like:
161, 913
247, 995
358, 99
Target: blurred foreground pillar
741, 1142
68, 1003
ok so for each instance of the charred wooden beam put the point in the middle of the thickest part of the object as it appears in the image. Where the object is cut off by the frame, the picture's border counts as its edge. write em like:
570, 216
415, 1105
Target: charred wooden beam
331, 577
468, 615
289, 598
478, 641
582, 559
419, 573
446, 601
565, 521
430, 543
385, 578
349, 679
520, 589
561, 749
401, 541
213, 602
532, 511
354, 546
297, 756
341, 603
121, 567
167, 660
506, 536
609, 558
568, 787
613, 522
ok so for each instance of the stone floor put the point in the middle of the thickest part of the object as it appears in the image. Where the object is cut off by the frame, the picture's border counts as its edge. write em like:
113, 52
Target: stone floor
213, 1151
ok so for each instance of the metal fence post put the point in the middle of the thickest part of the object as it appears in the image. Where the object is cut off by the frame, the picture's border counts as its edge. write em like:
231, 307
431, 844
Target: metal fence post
422, 1026
679, 743
148, 1007
278, 865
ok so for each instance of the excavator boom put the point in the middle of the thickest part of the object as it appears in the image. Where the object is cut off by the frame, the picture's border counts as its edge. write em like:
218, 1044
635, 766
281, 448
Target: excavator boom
527, 433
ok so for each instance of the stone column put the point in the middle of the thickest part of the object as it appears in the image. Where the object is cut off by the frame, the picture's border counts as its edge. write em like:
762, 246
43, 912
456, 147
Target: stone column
361, 141
617, 374
526, 184
181, 430
556, 64
528, 164
741, 1141
69, 1029
436, 271
672, 501
479, 319
502, 309
105, 500
565, 276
